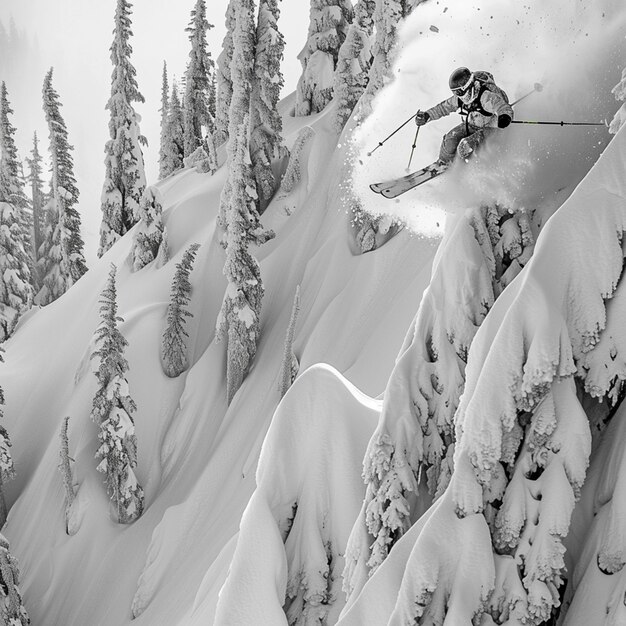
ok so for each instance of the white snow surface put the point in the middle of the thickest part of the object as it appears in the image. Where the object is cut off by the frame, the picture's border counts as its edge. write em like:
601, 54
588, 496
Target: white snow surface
196, 456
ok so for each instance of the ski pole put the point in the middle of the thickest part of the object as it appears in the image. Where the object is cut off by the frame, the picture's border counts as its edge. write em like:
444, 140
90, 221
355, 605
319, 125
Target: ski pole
380, 143
417, 132
538, 87
560, 123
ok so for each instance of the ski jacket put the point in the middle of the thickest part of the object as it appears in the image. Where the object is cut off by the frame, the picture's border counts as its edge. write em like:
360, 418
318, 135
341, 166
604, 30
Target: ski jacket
483, 110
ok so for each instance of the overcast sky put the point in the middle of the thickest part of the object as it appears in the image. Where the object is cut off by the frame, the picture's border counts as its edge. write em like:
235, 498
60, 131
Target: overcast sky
74, 36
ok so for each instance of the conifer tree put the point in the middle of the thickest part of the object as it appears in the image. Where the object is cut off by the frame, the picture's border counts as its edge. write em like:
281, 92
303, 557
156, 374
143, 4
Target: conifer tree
354, 62
15, 287
387, 17
62, 262
199, 85
12, 611
150, 231
290, 364
328, 24
164, 110
265, 121
66, 469
125, 177
239, 318
38, 198
112, 410
174, 146
224, 77
7, 469
173, 348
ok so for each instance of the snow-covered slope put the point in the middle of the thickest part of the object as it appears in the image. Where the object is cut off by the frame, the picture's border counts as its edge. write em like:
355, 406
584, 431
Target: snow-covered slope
522, 451
196, 455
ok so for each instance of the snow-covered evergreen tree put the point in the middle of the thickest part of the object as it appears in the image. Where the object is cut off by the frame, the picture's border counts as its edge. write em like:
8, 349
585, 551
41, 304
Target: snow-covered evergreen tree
112, 410
328, 25
224, 77
387, 17
7, 469
239, 318
16, 292
620, 94
354, 61
266, 142
411, 452
125, 177
12, 610
164, 110
290, 365
293, 173
238, 217
66, 470
149, 235
62, 262
38, 200
199, 84
174, 142
173, 348
10, 164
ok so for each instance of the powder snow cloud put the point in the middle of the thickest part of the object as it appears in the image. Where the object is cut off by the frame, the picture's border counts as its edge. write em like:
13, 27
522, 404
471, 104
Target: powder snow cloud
574, 49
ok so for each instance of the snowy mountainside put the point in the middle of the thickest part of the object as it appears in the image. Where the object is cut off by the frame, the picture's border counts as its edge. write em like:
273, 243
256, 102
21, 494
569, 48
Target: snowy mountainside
196, 455
522, 453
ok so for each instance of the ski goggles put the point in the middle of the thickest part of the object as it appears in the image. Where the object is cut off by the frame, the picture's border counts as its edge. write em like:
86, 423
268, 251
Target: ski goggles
463, 89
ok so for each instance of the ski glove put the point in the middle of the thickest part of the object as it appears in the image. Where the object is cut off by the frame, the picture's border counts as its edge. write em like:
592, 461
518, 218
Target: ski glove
504, 120
421, 117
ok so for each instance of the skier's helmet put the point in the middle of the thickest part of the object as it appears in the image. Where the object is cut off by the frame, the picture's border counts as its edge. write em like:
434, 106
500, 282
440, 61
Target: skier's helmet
460, 81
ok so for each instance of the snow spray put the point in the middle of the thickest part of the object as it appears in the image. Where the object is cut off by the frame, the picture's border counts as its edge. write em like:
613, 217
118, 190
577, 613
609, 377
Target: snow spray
573, 49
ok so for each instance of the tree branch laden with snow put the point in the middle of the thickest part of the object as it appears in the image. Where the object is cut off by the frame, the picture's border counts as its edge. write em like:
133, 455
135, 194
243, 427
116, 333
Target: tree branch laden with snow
328, 24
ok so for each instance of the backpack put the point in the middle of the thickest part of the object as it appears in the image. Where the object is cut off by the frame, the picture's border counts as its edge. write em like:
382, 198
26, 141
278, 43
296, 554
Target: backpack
487, 83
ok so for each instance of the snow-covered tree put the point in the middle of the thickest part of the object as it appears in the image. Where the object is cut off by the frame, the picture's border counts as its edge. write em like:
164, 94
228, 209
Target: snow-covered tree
354, 61
62, 262
224, 77
12, 610
7, 469
164, 110
38, 200
112, 410
173, 348
409, 459
387, 17
66, 470
199, 84
290, 365
239, 318
125, 177
174, 142
293, 173
16, 292
328, 25
620, 94
266, 142
149, 235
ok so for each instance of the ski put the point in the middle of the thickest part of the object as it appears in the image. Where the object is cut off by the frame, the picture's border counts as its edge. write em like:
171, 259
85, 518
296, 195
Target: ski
397, 186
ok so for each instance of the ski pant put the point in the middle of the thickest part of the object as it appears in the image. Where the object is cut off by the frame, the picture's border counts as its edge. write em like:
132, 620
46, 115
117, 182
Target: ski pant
463, 138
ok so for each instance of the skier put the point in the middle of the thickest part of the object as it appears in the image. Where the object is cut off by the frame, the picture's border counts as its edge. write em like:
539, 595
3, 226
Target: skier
485, 107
